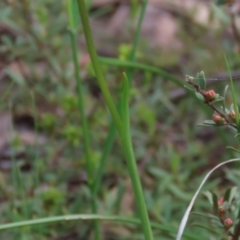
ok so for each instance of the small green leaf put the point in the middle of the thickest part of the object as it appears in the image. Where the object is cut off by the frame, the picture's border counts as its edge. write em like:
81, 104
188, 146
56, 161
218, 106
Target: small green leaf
232, 128
210, 229
227, 194
232, 148
207, 215
232, 194
227, 111
206, 125
215, 203
124, 99
209, 122
15, 76
201, 80
238, 216
237, 225
209, 196
218, 99
199, 96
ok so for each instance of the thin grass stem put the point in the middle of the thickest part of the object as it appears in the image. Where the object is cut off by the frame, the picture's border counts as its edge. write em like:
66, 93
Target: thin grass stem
112, 130
36, 172
81, 107
127, 147
234, 100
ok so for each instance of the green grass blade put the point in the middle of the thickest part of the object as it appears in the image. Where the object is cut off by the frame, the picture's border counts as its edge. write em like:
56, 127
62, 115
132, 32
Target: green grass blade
233, 94
201, 80
144, 67
112, 130
89, 217
234, 99
126, 146
131, 161
124, 105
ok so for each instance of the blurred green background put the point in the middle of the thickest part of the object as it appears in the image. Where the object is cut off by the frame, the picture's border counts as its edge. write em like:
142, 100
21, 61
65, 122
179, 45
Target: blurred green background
42, 165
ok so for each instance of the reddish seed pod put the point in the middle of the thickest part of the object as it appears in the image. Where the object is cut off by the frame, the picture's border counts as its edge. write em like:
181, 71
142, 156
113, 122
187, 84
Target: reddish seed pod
228, 222
220, 201
232, 115
210, 96
218, 119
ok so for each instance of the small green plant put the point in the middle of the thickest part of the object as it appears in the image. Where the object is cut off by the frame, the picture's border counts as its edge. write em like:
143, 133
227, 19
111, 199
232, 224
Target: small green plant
225, 218
223, 116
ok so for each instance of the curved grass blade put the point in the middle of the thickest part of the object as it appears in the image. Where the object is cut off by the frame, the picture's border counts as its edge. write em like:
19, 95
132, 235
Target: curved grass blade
141, 66
89, 217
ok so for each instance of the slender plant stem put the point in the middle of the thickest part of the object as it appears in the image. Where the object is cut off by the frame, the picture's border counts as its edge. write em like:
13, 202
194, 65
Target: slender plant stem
127, 145
132, 56
96, 66
90, 165
112, 130
118, 122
